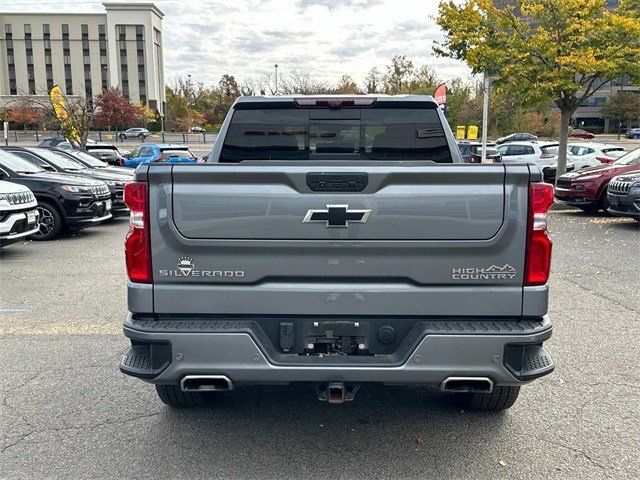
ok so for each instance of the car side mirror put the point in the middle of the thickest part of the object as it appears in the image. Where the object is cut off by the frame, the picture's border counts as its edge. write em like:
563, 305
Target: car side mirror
205, 158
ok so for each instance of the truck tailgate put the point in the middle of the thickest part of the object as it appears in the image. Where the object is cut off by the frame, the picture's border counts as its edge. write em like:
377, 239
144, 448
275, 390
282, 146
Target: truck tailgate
424, 240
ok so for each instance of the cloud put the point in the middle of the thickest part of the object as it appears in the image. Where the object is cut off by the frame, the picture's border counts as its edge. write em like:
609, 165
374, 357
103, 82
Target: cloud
327, 38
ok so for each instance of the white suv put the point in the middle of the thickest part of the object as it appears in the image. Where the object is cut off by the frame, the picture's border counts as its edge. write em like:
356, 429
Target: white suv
18, 214
585, 155
543, 154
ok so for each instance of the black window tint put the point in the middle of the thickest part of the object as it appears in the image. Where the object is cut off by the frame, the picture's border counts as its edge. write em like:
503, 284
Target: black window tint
513, 150
528, 150
266, 135
373, 134
404, 134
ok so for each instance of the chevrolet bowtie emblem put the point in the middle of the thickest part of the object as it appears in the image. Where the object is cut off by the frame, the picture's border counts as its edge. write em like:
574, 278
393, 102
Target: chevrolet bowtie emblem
337, 216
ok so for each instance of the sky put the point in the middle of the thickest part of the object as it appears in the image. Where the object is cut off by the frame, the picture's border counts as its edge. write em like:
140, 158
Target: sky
245, 38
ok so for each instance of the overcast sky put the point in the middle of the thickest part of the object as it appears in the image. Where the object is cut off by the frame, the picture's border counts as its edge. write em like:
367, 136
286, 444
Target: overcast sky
327, 38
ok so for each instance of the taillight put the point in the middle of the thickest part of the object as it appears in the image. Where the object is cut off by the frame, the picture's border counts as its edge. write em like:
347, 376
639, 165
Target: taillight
605, 159
538, 253
335, 102
546, 156
137, 244
158, 159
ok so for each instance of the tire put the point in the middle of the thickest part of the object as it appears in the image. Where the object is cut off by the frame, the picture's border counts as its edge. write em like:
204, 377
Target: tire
141, 136
50, 223
636, 137
500, 399
604, 203
174, 397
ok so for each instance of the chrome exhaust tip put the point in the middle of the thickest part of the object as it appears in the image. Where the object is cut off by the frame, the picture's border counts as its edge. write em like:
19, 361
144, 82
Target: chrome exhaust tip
467, 385
206, 383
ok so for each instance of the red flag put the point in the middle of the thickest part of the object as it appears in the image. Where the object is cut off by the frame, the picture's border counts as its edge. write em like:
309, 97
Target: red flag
441, 94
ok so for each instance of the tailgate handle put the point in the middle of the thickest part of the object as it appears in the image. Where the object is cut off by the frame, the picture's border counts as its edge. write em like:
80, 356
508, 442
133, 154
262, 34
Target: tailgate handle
337, 182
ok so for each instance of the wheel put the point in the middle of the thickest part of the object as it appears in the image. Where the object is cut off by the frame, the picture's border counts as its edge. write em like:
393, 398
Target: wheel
50, 223
174, 397
636, 137
500, 398
604, 203
141, 136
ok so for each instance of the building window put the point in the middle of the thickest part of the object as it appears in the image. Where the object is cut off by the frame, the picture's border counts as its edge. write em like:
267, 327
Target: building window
124, 73
66, 53
86, 57
104, 68
28, 48
142, 87
8, 35
48, 65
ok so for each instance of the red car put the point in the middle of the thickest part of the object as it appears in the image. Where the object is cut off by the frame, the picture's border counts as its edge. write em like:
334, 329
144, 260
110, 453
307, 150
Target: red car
587, 188
578, 133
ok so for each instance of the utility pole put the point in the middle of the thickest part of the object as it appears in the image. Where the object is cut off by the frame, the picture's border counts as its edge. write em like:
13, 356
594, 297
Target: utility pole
276, 93
485, 115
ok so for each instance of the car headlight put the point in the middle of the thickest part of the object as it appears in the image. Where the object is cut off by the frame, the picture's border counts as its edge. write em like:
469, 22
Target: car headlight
589, 177
76, 189
113, 183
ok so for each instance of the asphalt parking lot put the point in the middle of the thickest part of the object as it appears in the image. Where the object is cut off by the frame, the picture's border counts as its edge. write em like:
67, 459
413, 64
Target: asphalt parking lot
67, 411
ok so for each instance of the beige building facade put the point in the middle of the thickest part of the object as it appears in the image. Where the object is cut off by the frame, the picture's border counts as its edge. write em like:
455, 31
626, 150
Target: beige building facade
84, 53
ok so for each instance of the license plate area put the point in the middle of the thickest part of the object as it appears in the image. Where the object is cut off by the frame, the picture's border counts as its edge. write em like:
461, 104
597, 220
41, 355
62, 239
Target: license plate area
336, 338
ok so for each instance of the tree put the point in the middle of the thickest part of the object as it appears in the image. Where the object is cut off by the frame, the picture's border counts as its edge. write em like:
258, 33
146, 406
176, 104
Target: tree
398, 73
114, 110
26, 116
347, 86
545, 50
372, 81
145, 115
624, 108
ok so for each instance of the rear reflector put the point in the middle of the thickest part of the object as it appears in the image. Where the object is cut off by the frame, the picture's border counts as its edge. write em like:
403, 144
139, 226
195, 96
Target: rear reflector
538, 254
137, 243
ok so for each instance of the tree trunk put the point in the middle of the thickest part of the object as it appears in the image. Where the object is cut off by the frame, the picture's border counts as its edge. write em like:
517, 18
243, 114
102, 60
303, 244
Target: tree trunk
562, 149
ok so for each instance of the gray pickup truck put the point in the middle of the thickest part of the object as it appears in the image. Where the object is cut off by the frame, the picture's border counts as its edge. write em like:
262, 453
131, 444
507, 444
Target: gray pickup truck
338, 241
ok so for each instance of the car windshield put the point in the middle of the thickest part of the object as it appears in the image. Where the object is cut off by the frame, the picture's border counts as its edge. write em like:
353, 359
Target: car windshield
93, 161
58, 160
176, 152
631, 158
17, 164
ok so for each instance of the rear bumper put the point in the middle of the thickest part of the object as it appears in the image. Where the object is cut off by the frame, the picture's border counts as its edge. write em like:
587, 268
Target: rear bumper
507, 352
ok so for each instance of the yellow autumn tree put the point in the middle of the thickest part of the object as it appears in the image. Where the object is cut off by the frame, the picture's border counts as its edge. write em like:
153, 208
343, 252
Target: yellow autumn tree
560, 51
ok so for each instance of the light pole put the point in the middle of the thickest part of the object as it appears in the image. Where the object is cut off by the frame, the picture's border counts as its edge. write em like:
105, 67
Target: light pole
276, 89
485, 116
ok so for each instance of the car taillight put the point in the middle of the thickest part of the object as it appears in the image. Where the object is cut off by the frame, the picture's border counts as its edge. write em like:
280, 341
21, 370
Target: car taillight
538, 252
605, 159
158, 159
546, 156
137, 244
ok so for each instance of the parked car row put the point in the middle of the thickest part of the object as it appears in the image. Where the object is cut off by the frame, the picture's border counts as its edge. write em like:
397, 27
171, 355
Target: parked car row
613, 188
47, 191
542, 153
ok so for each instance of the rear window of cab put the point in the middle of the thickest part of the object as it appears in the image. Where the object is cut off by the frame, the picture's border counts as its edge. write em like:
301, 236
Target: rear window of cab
394, 134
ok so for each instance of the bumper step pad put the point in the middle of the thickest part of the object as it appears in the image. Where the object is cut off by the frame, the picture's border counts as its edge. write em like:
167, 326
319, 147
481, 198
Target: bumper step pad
527, 362
146, 360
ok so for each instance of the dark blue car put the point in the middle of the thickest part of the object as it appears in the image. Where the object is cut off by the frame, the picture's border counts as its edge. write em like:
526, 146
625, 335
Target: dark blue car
150, 152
